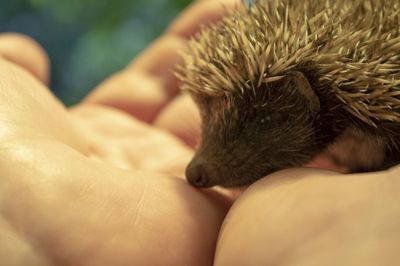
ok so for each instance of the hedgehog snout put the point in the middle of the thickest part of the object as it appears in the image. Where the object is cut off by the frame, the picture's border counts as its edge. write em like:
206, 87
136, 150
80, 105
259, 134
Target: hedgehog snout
196, 174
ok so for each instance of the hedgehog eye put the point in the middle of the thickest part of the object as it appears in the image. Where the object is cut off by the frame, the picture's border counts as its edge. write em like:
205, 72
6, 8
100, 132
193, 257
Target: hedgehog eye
265, 119
272, 117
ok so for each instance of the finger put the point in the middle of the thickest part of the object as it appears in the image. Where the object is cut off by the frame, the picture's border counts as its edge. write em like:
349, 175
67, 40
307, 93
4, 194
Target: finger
187, 127
29, 110
198, 14
161, 59
27, 53
74, 205
308, 217
158, 63
134, 93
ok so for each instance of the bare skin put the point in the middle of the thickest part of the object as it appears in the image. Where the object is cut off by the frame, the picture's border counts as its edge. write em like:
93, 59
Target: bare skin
101, 183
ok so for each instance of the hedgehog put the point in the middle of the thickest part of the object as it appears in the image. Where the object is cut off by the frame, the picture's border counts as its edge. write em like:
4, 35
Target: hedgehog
280, 82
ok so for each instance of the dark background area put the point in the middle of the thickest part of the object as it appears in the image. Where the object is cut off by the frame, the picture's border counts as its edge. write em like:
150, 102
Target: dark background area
87, 40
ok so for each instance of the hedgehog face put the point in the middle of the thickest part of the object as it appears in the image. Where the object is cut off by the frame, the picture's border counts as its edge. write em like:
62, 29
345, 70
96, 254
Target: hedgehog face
248, 137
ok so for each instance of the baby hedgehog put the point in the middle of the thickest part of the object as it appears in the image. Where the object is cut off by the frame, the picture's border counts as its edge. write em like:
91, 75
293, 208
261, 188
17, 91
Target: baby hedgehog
279, 82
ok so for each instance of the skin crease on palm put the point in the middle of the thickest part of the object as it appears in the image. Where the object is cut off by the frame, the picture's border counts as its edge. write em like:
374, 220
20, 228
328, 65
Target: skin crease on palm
100, 183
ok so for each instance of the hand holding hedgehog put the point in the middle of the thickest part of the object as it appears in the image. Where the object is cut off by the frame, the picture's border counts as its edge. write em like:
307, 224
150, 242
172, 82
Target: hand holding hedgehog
282, 81
64, 200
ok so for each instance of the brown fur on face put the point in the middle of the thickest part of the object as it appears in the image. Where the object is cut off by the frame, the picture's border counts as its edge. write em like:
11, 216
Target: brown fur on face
284, 124
246, 138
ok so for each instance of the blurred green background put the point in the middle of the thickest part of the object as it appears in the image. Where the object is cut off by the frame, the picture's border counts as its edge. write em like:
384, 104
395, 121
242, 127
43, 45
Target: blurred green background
87, 40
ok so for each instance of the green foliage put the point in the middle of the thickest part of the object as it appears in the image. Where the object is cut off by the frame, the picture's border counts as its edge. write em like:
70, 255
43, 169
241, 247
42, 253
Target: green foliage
103, 13
87, 40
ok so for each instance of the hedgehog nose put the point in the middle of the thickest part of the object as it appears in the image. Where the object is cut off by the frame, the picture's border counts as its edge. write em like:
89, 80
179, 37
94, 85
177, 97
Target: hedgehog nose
196, 174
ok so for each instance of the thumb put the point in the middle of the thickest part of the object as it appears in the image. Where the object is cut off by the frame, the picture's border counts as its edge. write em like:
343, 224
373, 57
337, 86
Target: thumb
27, 53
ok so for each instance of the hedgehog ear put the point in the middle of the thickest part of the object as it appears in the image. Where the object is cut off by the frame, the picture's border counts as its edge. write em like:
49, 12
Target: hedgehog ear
301, 83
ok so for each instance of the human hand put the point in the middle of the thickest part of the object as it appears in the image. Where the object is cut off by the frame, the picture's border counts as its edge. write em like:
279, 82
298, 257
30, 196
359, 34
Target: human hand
315, 217
65, 199
305, 216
